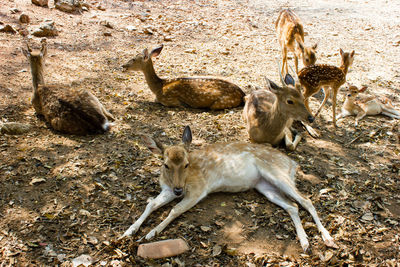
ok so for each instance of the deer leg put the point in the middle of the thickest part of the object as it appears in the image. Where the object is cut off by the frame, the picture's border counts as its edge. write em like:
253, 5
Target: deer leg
314, 133
334, 95
163, 198
296, 62
289, 144
327, 92
284, 59
359, 116
273, 195
186, 203
291, 191
392, 115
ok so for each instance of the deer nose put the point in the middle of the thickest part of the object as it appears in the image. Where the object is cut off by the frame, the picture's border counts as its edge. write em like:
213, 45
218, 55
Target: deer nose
178, 191
310, 119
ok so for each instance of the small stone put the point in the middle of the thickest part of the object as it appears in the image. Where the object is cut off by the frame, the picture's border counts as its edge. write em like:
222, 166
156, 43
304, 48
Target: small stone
44, 3
14, 10
46, 29
168, 38
7, 28
99, 7
162, 249
148, 30
13, 128
106, 24
69, 6
24, 18
107, 33
131, 28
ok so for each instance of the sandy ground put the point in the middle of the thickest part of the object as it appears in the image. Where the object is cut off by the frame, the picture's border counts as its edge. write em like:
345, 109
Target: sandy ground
92, 188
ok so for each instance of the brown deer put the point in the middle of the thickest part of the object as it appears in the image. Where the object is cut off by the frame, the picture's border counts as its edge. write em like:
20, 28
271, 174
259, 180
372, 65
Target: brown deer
328, 77
195, 92
361, 106
68, 110
290, 34
227, 167
269, 114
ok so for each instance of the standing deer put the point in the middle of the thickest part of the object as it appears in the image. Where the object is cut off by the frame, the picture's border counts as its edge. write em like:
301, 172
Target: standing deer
366, 106
231, 167
269, 114
290, 34
195, 92
314, 77
68, 110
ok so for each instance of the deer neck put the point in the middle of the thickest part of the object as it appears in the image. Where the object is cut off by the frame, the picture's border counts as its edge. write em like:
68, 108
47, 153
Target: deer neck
345, 68
276, 122
155, 83
37, 76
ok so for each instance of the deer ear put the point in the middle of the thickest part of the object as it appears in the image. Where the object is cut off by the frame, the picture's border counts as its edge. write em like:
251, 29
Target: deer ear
187, 136
43, 50
301, 47
363, 89
289, 79
154, 146
273, 87
314, 47
145, 54
156, 51
352, 53
25, 52
341, 51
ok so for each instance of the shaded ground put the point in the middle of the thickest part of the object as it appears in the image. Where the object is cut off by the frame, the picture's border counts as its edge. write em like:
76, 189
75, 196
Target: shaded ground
94, 187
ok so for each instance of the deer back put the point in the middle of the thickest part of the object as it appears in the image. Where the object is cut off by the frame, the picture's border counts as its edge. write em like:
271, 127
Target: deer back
316, 76
201, 92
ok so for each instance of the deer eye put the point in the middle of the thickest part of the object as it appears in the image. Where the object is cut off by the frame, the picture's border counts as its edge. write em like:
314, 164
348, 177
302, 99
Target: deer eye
290, 102
187, 165
166, 166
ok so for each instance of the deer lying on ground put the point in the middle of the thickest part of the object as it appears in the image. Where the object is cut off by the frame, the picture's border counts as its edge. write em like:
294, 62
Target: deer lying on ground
269, 114
230, 167
366, 106
68, 110
328, 77
290, 34
195, 92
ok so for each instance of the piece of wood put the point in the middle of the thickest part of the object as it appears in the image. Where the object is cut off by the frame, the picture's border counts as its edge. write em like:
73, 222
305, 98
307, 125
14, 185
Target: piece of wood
162, 249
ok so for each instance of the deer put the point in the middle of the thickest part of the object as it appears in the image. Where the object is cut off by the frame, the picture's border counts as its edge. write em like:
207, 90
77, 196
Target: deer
328, 77
225, 167
269, 114
290, 33
195, 92
354, 105
67, 110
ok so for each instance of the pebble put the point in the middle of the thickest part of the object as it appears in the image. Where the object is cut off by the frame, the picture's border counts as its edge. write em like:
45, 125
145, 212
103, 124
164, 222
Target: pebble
7, 28
24, 18
44, 3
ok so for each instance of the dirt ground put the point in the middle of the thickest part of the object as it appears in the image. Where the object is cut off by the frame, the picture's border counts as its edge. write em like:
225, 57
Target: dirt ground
64, 196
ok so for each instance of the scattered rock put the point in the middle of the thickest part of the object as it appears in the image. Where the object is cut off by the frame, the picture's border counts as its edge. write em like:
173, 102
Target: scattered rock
69, 6
107, 33
44, 3
24, 18
107, 24
162, 249
131, 28
7, 28
14, 128
46, 29
148, 30
14, 10
84, 260
99, 7
168, 38
37, 181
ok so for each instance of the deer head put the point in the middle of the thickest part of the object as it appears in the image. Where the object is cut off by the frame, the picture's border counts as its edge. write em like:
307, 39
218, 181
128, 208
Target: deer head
176, 161
142, 59
309, 57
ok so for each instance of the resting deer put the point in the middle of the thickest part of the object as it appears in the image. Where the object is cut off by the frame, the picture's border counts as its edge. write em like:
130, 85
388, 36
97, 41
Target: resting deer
229, 167
269, 114
314, 77
365, 106
68, 110
195, 92
290, 34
